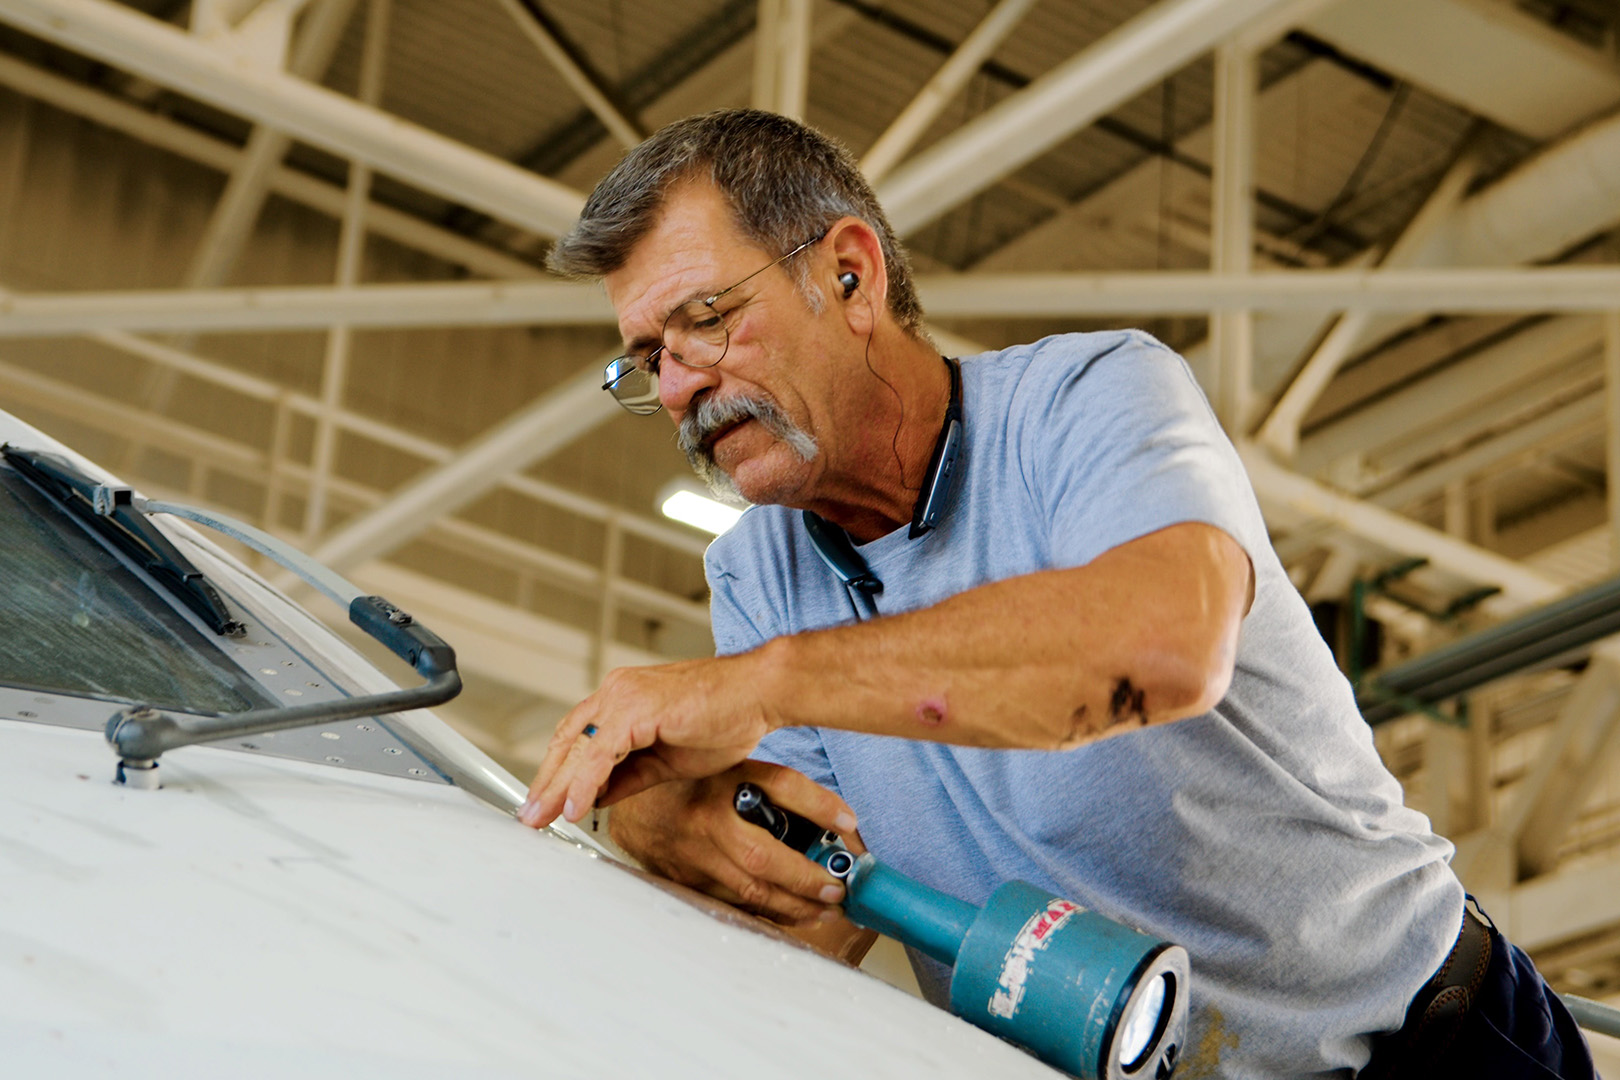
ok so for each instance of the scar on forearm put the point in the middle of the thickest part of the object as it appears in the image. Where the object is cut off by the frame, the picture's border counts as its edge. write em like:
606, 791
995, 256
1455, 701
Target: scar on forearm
931, 713
1127, 703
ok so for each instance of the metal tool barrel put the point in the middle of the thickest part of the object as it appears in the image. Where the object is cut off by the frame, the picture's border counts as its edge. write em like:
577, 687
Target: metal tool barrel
891, 903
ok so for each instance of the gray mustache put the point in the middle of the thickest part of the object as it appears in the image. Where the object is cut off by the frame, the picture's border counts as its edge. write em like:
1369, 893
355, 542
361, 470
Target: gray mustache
712, 415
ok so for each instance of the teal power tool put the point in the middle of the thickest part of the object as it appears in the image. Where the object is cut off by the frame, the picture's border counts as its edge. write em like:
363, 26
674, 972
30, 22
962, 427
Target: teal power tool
1081, 992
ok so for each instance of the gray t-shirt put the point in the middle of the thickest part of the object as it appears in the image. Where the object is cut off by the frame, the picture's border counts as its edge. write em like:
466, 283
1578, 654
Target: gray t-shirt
1265, 836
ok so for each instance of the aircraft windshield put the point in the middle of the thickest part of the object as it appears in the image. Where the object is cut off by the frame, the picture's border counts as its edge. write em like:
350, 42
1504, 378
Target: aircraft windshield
75, 620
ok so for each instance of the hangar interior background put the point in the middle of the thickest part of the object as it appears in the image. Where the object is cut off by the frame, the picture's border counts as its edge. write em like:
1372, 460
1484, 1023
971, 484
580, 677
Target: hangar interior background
283, 258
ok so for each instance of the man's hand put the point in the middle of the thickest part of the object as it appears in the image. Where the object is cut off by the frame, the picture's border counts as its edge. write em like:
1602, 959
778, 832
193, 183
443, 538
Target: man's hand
690, 833
647, 726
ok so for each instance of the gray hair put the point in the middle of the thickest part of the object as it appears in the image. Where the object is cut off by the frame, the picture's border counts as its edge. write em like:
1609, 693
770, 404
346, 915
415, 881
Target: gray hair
785, 182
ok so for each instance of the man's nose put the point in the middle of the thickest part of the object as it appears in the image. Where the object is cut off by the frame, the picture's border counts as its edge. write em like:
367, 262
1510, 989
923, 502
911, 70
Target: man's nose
678, 384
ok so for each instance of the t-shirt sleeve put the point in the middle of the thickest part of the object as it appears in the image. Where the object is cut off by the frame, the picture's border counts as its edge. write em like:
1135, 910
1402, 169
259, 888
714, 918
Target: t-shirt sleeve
736, 630
800, 749
1121, 443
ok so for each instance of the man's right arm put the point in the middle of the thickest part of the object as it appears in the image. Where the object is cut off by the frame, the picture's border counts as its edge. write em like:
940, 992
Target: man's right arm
689, 832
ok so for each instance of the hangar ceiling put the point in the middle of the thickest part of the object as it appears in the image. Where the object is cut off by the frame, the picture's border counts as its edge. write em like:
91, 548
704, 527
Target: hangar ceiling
283, 257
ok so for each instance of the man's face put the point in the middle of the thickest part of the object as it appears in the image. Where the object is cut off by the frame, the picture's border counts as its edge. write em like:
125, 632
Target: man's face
748, 423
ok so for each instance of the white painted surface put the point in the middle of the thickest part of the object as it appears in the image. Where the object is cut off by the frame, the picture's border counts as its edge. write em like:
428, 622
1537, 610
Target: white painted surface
266, 917
261, 917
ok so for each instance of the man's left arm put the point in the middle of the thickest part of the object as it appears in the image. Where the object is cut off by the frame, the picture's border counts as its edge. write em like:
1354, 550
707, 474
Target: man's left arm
1144, 633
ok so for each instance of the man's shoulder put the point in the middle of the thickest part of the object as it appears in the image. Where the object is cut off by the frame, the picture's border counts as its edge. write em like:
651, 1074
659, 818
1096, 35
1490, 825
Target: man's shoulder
1033, 382
1061, 358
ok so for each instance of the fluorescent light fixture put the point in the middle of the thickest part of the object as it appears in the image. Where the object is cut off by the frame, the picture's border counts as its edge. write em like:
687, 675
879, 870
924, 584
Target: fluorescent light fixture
681, 502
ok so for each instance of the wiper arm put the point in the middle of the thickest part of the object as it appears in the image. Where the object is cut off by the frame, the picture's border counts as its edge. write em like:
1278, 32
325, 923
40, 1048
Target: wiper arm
140, 735
109, 513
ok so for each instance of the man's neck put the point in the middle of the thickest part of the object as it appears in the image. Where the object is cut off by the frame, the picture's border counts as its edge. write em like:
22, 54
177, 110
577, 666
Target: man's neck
876, 489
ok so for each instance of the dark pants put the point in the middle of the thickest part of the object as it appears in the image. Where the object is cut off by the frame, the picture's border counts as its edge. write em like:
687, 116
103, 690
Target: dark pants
1517, 1030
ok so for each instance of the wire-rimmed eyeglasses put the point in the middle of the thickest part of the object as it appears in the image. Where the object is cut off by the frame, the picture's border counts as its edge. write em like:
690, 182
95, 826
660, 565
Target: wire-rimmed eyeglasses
695, 334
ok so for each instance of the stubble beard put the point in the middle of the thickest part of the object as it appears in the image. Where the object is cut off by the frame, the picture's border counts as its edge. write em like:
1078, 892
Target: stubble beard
714, 414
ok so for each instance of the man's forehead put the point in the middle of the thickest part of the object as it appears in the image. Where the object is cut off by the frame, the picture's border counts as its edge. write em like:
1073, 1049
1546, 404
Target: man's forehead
691, 244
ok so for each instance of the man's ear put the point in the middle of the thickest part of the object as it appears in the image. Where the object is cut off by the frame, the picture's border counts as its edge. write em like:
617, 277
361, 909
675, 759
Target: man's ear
861, 281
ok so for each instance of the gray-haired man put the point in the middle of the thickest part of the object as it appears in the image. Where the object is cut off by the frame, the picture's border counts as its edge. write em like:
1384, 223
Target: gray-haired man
1079, 557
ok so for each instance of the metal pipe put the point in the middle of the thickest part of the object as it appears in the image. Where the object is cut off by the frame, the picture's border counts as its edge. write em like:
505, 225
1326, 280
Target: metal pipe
1557, 632
1593, 1015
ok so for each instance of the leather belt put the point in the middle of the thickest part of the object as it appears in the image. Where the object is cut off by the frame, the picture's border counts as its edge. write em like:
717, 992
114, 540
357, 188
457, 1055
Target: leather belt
1438, 1010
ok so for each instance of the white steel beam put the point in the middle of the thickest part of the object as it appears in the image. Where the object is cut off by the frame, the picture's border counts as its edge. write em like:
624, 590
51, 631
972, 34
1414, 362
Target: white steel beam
1280, 431
1566, 193
401, 228
1077, 237
1584, 737
1564, 424
1562, 288
1523, 360
238, 208
1114, 70
211, 17
1568, 904
620, 126
905, 129
1237, 81
1497, 61
1573, 288
350, 253
155, 50
1580, 378
1286, 495
1262, 33
23, 387
793, 63
767, 55
557, 303
540, 303
548, 424
1558, 198
1611, 382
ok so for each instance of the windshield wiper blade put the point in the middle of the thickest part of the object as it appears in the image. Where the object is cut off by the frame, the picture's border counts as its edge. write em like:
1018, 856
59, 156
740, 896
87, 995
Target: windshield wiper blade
108, 512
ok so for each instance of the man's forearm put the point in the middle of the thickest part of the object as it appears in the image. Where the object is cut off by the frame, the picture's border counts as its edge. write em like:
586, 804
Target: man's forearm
1145, 633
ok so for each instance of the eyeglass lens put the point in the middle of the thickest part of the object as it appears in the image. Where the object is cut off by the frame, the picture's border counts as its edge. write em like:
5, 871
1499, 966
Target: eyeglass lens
694, 334
633, 387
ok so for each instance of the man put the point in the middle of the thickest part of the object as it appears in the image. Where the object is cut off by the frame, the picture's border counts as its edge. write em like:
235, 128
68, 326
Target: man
1085, 667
